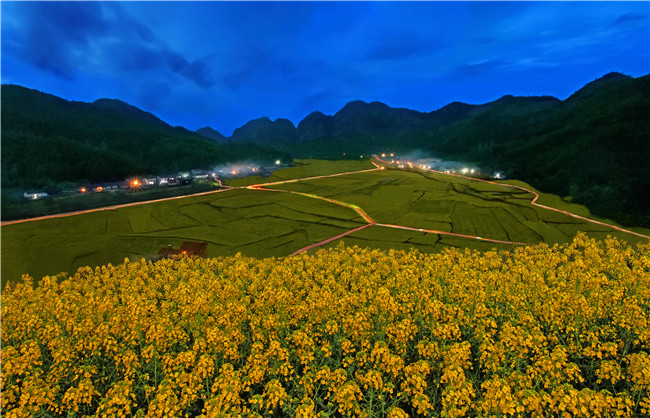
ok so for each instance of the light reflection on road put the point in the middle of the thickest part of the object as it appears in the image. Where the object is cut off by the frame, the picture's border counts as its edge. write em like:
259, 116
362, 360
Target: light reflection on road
369, 221
532, 202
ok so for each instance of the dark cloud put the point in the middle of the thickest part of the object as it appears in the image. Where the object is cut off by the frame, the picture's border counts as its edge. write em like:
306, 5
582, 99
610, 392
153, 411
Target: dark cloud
247, 66
56, 34
197, 71
477, 69
628, 18
46, 53
74, 21
399, 45
135, 57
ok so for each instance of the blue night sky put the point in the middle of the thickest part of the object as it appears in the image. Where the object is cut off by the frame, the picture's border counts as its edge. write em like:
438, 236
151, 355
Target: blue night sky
224, 63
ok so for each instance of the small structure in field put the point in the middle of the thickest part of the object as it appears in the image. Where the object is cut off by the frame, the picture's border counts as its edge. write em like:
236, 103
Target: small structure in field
188, 248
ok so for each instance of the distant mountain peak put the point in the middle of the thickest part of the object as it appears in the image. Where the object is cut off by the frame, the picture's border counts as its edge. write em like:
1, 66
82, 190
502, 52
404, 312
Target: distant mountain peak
210, 133
264, 130
591, 87
125, 108
613, 74
111, 103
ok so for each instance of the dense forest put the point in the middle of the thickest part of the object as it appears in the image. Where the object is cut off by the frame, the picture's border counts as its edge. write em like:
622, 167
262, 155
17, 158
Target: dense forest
47, 140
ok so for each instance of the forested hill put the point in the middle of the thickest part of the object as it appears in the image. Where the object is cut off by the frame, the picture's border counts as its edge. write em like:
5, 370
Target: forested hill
594, 145
46, 140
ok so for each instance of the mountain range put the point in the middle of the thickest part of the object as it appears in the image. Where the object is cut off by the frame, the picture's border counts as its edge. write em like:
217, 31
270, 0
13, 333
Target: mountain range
593, 146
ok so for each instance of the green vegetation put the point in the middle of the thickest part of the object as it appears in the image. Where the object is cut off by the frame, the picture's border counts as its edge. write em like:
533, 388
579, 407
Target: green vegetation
592, 146
264, 223
255, 223
305, 168
23, 208
47, 140
452, 204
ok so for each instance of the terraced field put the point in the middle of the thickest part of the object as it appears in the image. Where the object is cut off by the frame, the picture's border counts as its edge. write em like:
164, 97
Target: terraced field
433, 201
273, 222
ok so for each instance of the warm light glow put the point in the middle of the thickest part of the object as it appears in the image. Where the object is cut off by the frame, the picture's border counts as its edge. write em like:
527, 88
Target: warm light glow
83, 190
392, 155
278, 162
383, 155
99, 189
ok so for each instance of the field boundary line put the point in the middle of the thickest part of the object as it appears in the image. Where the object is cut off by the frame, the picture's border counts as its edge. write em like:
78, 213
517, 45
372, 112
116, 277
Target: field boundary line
361, 213
328, 240
433, 231
144, 202
112, 207
532, 202
311, 178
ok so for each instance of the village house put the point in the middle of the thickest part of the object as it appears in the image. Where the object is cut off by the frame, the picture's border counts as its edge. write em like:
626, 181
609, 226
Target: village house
188, 248
34, 195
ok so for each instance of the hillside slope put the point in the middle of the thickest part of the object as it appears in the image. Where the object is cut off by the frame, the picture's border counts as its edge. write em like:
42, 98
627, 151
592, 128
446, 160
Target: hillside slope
46, 140
593, 146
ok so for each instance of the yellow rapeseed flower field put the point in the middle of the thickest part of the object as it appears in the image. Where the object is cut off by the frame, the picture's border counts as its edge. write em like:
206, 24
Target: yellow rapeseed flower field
536, 331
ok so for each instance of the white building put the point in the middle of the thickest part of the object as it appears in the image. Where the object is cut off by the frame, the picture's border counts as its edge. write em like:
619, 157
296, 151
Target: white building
35, 195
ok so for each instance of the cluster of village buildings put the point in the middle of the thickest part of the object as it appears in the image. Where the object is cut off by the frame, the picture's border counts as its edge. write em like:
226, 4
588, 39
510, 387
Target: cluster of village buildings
137, 183
171, 180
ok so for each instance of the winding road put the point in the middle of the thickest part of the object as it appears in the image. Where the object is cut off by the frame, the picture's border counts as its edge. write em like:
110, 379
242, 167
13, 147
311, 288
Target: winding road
532, 202
371, 222
380, 165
